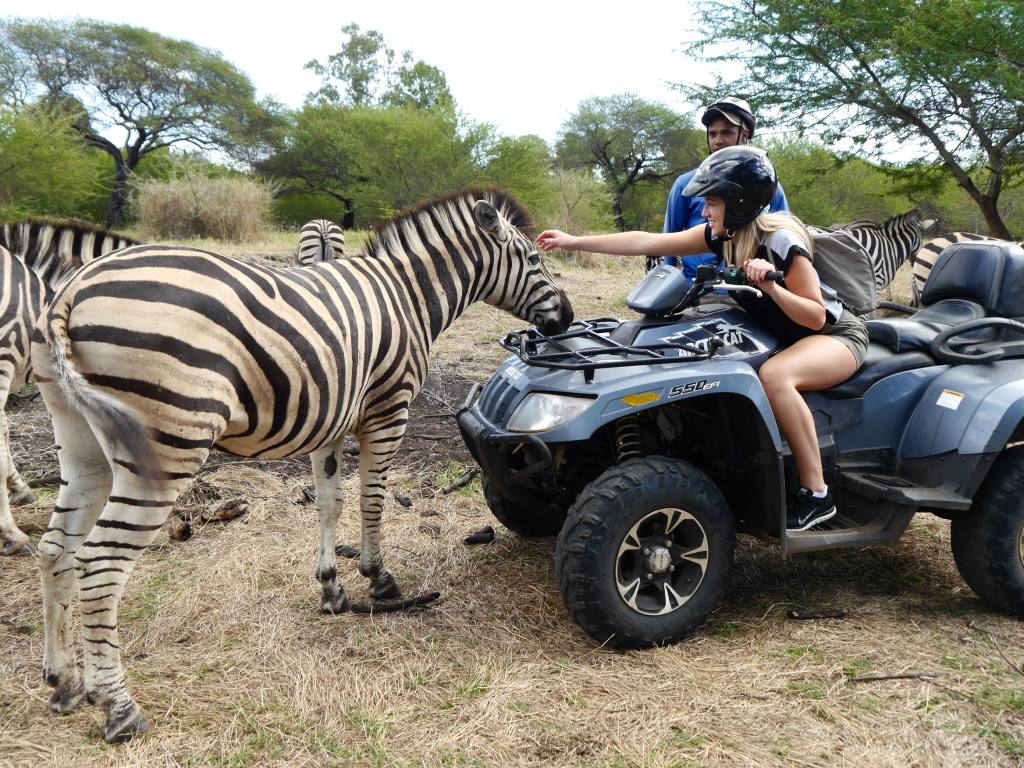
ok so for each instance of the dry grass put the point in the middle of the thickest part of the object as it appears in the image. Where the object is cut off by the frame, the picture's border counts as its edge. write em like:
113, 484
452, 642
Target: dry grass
229, 657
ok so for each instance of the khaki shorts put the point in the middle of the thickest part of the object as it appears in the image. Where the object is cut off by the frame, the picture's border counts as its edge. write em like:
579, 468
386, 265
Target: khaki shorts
850, 331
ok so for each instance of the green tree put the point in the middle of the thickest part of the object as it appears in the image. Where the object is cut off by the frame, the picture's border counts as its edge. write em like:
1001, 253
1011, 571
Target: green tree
375, 161
155, 91
940, 77
44, 167
824, 188
628, 142
367, 73
522, 166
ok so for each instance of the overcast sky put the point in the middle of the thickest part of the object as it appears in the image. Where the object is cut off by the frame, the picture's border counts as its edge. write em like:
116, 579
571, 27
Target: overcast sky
523, 66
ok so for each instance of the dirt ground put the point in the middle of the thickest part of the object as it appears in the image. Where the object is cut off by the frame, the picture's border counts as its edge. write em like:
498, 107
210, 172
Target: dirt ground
234, 665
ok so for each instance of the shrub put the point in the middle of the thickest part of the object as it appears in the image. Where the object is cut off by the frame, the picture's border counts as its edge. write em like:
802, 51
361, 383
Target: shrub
232, 208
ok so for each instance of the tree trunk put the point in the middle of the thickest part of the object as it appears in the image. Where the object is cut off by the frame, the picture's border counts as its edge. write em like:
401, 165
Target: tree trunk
996, 226
118, 195
620, 220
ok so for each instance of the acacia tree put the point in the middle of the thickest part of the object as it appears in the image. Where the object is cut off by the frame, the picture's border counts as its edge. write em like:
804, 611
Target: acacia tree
156, 91
943, 78
367, 73
629, 142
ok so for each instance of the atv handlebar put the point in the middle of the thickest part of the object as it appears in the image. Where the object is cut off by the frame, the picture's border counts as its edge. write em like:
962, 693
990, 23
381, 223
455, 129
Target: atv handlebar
944, 348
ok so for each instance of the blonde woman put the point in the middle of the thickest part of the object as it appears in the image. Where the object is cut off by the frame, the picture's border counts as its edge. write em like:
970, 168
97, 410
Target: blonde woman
823, 344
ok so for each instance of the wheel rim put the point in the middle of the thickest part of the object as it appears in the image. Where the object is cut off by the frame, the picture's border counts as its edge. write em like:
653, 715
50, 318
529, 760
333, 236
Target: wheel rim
661, 562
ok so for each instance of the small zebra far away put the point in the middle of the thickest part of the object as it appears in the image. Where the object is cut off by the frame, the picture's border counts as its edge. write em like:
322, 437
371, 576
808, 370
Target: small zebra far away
35, 257
149, 360
926, 257
319, 240
889, 244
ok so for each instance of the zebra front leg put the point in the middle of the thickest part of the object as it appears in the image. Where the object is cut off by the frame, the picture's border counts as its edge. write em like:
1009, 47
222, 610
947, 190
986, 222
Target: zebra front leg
85, 485
376, 451
327, 478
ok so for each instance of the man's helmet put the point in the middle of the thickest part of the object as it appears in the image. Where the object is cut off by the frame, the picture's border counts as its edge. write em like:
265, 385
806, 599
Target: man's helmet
733, 110
742, 176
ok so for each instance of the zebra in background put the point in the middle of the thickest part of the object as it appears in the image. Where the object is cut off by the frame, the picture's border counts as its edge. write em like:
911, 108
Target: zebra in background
889, 244
926, 257
54, 249
22, 295
35, 257
319, 240
149, 360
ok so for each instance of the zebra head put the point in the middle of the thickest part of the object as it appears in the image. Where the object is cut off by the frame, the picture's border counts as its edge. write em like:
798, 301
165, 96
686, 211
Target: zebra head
906, 231
521, 284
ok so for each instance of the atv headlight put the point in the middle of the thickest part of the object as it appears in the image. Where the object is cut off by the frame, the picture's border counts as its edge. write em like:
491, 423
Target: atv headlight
540, 411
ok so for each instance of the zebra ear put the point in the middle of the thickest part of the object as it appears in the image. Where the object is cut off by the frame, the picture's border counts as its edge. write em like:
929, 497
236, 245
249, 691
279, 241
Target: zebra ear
488, 219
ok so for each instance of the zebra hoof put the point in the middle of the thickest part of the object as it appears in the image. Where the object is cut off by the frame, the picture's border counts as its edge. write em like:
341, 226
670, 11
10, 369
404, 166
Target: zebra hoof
65, 700
23, 498
125, 727
15, 544
384, 587
334, 604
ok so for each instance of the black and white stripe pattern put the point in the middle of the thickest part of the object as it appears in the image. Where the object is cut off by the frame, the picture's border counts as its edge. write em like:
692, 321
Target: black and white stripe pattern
320, 240
54, 249
35, 256
889, 244
22, 295
926, 257
149, 360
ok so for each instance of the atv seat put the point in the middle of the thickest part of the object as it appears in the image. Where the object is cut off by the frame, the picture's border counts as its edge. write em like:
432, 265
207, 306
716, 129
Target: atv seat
970, 280
879, 362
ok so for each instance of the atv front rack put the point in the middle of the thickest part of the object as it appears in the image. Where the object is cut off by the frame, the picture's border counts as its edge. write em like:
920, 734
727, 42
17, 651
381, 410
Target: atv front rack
586, 340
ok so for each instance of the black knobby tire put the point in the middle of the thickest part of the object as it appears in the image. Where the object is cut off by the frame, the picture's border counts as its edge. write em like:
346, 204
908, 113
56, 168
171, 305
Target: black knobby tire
988, 539
601, 573
519, 519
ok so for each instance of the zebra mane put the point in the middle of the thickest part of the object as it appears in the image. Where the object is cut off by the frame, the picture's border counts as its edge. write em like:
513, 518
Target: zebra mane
505, 203
890, 222
78, 225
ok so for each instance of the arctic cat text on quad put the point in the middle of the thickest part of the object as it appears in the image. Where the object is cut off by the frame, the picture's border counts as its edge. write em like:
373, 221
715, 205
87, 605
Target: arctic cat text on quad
646, 445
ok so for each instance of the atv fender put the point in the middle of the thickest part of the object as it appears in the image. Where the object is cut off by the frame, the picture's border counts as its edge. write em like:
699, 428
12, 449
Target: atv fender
969, 411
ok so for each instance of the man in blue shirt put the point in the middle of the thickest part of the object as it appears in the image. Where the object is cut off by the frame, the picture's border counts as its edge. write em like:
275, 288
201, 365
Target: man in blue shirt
729, 123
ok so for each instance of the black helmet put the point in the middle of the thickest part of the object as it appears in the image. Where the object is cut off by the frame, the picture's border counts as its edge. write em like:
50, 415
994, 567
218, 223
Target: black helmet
742, 176
735, 111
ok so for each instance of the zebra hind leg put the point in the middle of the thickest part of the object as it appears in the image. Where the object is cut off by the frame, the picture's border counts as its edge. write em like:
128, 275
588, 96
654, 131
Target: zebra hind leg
377, 449
327, 478
134, 513
85, 485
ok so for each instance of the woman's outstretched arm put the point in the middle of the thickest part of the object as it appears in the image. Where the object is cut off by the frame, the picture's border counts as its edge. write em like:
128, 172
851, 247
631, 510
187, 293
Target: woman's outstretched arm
685, 243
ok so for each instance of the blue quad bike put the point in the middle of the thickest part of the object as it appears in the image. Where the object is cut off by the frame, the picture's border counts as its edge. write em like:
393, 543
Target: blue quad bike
647, 445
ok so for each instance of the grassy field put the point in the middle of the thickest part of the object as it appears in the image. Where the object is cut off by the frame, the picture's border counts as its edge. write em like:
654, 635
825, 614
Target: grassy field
234, 665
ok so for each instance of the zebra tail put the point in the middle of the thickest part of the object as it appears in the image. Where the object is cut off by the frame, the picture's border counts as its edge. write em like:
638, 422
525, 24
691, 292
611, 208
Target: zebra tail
123, 431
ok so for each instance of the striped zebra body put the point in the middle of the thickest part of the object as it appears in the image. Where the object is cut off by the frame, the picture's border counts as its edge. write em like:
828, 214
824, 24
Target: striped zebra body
926, 257
320, 240
889, 244
149, 360
35, 257
22, 298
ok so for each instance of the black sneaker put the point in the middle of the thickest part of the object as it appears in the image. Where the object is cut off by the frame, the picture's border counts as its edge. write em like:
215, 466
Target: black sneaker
806, 511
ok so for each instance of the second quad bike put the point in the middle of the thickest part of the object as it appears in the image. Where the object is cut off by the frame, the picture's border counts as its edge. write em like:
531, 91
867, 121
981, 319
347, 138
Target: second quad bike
646, 445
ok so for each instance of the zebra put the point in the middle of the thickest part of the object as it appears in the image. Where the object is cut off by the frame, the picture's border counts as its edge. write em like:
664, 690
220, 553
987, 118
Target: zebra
320, 240
149, 360
35, 257
889, 244
22, 295
927, 255
54, 249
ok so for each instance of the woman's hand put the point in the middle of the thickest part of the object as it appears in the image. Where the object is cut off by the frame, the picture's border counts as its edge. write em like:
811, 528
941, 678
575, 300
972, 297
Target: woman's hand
756, 270
554, 238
